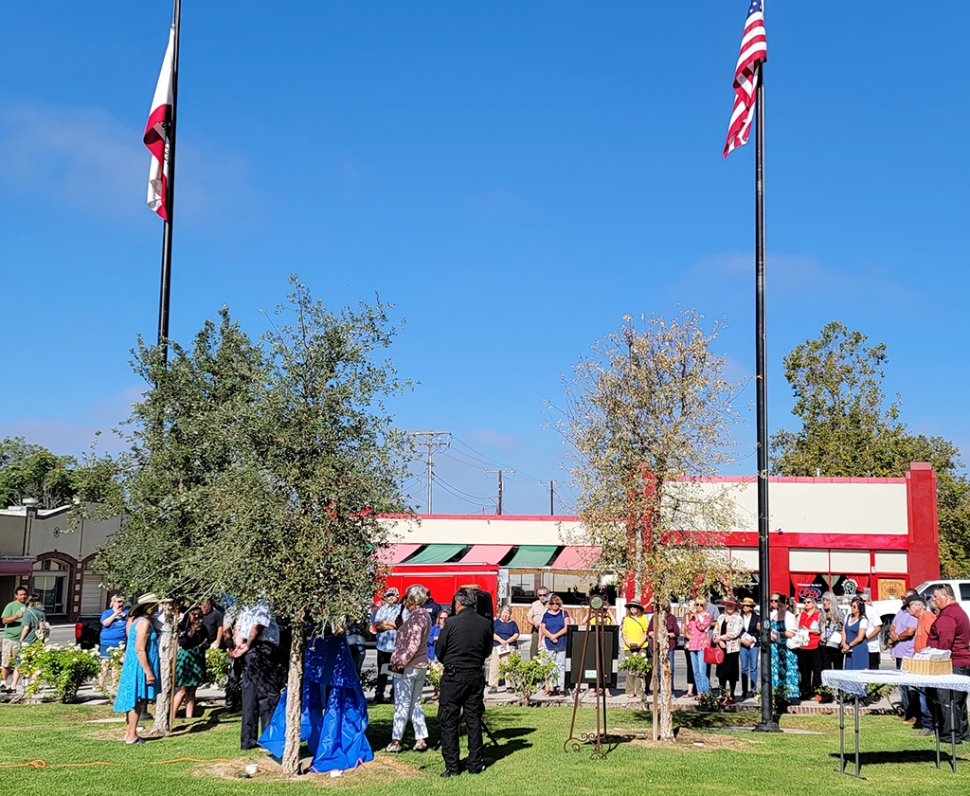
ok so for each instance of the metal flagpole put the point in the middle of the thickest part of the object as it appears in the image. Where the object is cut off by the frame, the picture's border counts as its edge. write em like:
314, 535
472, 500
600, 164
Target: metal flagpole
767, 723
166, 286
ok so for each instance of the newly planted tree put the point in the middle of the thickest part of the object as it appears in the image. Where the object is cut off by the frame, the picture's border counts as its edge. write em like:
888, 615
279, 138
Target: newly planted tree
647, 415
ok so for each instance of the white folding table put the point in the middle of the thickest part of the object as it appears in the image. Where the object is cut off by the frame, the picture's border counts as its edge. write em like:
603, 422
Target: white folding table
855, 683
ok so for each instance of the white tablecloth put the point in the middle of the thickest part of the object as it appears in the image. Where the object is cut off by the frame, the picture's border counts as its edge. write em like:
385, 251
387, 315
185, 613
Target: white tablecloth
854, 681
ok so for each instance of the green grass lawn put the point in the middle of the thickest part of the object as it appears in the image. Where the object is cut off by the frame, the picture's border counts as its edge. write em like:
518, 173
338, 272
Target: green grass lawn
530, 758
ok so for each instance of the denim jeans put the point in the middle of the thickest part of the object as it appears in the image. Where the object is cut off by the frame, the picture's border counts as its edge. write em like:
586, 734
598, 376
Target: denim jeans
701, 683
749, 665
903, 692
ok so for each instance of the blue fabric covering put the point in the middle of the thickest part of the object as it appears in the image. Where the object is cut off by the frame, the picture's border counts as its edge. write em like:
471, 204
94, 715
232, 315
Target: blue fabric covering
334, 717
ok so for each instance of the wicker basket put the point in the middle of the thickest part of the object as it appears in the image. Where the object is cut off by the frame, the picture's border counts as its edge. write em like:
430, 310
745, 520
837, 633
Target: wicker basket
927, 666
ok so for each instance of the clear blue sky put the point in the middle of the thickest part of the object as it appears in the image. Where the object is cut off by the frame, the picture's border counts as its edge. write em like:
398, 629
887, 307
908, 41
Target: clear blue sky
514, 176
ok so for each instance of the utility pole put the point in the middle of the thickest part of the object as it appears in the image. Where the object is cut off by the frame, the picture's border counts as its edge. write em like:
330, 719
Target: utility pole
552, 496
435, 441
501, 488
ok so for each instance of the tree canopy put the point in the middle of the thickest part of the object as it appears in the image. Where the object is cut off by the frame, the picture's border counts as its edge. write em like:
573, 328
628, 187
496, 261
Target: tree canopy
259, 469
32, 471
646, 414
847, 429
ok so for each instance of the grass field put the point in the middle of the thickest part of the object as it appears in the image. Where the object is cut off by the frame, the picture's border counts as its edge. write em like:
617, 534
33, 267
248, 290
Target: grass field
530, 758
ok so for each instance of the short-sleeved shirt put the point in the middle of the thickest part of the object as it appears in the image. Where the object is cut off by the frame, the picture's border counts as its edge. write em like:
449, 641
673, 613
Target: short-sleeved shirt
504, 630
634, 628
536, 610
212, 621
33, 616
926, 620
258, 615
873, 620
11, 631
554, 623
114, 634
902, 622
388, 613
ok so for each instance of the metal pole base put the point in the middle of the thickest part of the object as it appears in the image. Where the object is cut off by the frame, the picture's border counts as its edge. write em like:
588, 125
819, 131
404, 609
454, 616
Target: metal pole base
767, 726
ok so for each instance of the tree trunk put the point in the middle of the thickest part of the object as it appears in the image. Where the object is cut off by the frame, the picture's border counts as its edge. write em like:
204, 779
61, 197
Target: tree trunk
167, 644
294, 701
666, 681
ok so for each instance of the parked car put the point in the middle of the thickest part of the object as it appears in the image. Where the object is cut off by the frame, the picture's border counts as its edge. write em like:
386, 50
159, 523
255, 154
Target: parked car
87, 631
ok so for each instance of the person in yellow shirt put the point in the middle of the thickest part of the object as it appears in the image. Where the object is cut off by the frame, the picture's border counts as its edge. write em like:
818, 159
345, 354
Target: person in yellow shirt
633, 634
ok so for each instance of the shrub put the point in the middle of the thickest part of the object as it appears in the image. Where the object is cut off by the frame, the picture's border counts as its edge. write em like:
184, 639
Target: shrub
217, 666
524, 677
65, 669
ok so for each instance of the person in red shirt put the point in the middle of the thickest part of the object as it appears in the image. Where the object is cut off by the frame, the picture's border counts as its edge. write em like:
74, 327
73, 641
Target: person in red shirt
809, 655
951, 631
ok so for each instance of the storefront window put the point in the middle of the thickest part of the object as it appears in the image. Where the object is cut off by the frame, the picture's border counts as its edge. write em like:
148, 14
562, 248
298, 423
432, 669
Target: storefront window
50, 584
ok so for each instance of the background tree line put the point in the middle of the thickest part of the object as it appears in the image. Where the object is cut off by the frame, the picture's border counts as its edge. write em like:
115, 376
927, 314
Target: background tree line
849, 430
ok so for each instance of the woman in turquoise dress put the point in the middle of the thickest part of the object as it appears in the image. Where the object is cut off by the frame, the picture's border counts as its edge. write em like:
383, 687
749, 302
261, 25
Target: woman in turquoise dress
140, 671
784, 664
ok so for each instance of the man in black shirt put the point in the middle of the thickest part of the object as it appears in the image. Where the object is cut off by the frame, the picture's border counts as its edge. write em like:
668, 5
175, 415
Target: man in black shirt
464, 644
212, 616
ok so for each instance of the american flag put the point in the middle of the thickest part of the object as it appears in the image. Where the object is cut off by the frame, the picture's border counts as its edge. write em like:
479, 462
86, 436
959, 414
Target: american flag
754, 52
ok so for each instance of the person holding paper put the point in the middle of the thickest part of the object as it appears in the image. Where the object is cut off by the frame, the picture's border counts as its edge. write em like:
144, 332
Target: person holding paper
504, 638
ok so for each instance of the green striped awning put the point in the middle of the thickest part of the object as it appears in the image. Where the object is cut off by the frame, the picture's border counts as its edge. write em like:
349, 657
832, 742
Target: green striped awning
436, 554
532, 555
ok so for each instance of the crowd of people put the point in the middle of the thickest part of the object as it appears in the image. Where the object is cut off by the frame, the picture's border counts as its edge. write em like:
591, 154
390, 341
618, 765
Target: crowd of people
414, 632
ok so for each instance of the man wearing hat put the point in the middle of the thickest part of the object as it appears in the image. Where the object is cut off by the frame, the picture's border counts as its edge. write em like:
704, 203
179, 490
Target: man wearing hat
633, 634
916, 605
386, 620
902, 638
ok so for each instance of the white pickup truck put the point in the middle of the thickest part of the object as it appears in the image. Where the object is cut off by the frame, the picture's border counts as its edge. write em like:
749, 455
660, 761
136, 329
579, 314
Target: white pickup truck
887, 609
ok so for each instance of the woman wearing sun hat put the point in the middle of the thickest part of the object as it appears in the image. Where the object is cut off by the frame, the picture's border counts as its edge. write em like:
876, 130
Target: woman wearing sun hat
750, 647
728, 637
140, 674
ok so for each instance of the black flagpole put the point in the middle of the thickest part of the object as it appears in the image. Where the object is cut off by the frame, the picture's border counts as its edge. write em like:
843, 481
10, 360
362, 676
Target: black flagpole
768, 723
166, 286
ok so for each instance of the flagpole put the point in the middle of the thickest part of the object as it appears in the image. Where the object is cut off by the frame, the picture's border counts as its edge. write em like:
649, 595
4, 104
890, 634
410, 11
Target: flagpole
166, 282
768, 723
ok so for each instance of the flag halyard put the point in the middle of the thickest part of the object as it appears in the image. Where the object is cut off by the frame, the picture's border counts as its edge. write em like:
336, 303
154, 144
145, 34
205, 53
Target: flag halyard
754, 52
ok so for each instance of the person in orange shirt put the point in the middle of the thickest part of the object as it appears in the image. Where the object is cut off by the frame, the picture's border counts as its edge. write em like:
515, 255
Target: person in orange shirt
917, 608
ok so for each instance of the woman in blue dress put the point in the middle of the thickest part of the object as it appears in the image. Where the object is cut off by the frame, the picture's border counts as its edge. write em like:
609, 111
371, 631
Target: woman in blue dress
139, 673
784, 665
854, 643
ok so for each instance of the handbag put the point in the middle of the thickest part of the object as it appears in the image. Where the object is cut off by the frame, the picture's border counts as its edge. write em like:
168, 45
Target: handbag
713, 655
835, 640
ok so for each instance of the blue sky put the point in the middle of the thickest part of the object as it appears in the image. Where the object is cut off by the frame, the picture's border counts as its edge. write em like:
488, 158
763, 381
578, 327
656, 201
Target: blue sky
514, 176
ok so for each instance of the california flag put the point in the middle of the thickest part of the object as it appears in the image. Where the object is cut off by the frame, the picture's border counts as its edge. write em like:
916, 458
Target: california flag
156, 135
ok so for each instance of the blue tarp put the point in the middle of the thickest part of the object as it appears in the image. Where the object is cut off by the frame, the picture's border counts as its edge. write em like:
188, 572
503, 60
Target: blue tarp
334, 716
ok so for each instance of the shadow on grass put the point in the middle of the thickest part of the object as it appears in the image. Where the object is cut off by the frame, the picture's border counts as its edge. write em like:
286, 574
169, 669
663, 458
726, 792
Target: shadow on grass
214, 718
507, 731
697, 720
894, 758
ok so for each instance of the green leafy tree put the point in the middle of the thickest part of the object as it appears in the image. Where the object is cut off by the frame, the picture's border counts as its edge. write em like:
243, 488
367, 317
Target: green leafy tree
848, 430
259, 470
645, 415
323, 460
32, 471
185, 442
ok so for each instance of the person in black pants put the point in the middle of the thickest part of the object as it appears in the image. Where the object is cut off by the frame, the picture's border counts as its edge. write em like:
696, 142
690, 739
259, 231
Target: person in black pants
464, 644
259, 638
